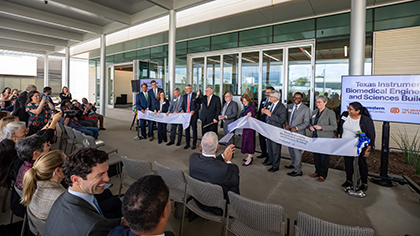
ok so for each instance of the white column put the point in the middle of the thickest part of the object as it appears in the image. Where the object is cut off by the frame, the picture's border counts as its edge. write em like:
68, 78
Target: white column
135, 77
357, 37
260, 76
67, 68
46, 69
102, 93
171, 52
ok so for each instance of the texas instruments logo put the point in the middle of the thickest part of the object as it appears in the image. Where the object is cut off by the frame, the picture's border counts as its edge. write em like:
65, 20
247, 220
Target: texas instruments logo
394, 110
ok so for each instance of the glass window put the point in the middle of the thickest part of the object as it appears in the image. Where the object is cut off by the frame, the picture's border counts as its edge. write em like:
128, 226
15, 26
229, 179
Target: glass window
181, 48
181, 73
249, 74
109, 60
213, 74
339, 24
224, 41
294, 31
198, 73
159, 52
272, 70
130, 56
118, 58
397, 16
143, 54
199, 45
230, 73
255, 36
299, 73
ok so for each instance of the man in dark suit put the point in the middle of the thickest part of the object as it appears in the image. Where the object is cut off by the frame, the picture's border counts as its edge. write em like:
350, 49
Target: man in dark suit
210, 168
298, 118
153, 104
142, 104
77, 211
228, 115
175, 107
146, 208
276, 115
211, 110
19, 109
262, 117
190, 105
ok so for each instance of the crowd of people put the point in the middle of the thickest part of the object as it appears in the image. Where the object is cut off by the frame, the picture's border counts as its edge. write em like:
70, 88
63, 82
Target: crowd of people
295, 117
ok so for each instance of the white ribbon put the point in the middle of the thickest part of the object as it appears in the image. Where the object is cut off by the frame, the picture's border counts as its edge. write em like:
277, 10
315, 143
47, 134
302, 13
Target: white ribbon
331, 146
172, 118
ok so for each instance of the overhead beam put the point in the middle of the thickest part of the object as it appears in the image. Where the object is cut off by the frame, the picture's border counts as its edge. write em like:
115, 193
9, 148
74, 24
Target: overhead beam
22, 49
17, 44
147, 15
167, 4
25, 37
46, 17
39, 30
98, 10
184, 4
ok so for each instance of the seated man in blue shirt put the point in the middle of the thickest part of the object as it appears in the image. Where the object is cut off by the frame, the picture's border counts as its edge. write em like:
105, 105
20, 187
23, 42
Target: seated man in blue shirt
146, 208
68, 119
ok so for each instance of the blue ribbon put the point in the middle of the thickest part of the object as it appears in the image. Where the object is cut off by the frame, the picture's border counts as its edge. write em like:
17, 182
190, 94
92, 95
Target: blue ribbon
363, 142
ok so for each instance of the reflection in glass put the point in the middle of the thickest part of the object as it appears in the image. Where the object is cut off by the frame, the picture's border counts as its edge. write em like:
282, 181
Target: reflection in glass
213, 74
181, 73
272, 69
250, 73
198, 73
300, 73
230, 73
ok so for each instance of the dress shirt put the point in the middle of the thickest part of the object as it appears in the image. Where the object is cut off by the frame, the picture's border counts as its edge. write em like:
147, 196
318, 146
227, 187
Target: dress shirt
86, 197
155, 92
225, 108
145, 95
295, 107
273, 106
214, 156
209, 99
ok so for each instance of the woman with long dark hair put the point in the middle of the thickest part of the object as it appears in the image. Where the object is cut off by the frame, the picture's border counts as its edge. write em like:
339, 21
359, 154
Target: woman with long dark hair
65, 94
357, 118
39, 112
5, 97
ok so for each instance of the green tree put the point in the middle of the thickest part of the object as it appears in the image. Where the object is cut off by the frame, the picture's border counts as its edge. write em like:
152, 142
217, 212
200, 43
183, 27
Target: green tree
301, 81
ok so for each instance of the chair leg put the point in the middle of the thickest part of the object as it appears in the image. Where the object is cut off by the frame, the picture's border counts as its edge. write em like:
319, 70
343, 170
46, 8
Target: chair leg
181, 227
119, 191
25, 220
11, 217
6, 193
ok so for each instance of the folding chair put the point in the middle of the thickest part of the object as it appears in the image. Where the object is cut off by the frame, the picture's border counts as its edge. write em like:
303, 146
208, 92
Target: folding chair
133, 170
91, 142
72, 139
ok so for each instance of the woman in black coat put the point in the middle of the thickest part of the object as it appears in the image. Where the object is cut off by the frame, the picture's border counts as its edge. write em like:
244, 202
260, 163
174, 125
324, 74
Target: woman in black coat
163, 108
357, 118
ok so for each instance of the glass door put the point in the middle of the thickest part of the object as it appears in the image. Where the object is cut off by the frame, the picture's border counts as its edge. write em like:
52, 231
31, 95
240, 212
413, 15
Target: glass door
272, 75
198, 74
250, 75
230, 74
213, 74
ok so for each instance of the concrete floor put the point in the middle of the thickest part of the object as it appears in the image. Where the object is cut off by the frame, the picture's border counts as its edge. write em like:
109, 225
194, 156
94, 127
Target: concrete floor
389, 211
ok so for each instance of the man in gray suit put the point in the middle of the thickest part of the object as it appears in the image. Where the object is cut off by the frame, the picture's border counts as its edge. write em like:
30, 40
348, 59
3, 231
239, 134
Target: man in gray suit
298, 118
228, 115
276, 116
175, 107
77, 212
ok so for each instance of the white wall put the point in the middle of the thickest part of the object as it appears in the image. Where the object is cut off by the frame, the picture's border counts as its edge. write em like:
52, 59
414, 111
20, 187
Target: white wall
122, 84
79, 79
18, 65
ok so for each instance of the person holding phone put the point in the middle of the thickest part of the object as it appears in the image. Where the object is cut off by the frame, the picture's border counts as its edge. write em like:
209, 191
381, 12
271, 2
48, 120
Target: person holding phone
39, 112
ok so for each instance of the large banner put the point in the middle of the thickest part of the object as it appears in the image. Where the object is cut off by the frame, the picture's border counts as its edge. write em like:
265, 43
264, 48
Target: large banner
149, 86
172, 118
332, 146
393, 98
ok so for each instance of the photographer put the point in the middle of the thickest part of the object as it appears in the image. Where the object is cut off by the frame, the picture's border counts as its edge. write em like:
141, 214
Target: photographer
39, 112
80, 116
70, 120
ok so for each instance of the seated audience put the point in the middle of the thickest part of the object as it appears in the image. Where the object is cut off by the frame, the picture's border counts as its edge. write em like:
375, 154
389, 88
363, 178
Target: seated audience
41, 184
7, 154
5, 97
28, 150
6, 120
65, 94
90, 110
82, 117
4, 114
14, 131
77, 212
20, 105
70, 121
39, 112
146, 208
210, 168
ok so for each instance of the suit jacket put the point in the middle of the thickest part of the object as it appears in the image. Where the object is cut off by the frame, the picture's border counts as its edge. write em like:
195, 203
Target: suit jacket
73, 216
141, 102
278, 115
165, 106
176, 106
153, 102
215, 171
301, 117
366, 125
231, 113
210, 112
123, 230
20, 106
194, 106
263, 104
327, 121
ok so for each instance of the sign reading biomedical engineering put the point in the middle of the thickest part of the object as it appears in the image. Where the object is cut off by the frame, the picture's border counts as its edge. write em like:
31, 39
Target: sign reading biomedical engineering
394, 98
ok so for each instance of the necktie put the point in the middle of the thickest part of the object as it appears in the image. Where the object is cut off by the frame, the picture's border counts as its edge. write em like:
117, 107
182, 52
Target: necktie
208, 100
145, 95
176, 104
188, 108
271, 110
97, 205
155, 93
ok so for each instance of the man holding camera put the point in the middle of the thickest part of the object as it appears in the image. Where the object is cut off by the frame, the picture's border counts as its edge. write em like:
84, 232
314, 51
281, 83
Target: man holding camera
70, 120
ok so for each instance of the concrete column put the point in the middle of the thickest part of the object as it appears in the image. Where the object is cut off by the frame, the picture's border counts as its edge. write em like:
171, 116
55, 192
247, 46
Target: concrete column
102, 92
357, 37
171, 52
46, 69
135, 77
67, 69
